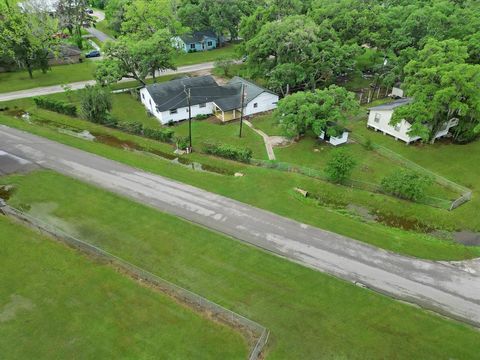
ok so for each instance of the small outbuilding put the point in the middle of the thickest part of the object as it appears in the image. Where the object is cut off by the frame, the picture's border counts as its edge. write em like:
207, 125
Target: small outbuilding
335, 134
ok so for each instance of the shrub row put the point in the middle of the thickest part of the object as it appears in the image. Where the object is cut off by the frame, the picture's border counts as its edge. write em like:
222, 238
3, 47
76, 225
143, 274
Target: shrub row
137, 128
55, 105
228, 151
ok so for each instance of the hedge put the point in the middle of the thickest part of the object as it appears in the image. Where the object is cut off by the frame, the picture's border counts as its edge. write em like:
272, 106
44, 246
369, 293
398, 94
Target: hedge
137, 128
228, 151
56, 105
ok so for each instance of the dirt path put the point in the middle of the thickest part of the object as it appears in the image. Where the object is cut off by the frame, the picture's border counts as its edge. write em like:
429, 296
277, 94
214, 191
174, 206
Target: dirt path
266, 140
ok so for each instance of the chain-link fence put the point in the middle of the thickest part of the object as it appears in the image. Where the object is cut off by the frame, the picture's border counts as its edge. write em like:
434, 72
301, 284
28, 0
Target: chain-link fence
371, 187
256, 334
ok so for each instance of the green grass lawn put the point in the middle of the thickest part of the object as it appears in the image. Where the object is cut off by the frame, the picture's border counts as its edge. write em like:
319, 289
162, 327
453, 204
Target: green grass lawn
61, 74
267, 124
64, 74
310, 315
228, 51
213, 130
57, 304
459, 163
273, 190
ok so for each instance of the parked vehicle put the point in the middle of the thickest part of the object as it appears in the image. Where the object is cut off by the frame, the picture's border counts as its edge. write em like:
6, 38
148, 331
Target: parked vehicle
89, 11
92, 54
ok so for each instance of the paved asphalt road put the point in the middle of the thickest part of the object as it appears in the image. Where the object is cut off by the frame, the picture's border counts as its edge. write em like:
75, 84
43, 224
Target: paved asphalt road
81, 84
440, 287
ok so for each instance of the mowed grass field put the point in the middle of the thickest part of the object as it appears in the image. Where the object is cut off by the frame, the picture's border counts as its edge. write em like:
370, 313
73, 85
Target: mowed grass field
55, 303
310, 315
273, 190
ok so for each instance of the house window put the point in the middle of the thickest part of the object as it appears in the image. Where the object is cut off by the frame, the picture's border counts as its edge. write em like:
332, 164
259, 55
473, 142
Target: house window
202, 105
209, 43
143, 96
255, 105
192, 46
377, 118
150, 102
173, 111
397, 127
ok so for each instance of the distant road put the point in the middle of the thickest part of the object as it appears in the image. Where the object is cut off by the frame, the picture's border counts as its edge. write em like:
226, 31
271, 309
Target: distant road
100, 16
81, 84
433, 285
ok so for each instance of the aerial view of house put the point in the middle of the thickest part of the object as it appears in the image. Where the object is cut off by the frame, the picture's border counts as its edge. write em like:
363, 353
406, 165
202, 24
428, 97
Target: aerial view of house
240, 179
201, 40
169, 101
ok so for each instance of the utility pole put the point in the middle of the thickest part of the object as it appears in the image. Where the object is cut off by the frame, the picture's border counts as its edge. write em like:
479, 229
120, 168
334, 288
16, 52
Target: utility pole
189, 120
241, 110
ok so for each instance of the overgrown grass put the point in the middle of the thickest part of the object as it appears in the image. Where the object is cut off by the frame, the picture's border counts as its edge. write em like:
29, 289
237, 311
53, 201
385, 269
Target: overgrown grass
228, 51
272, 190
56, 303
310, 315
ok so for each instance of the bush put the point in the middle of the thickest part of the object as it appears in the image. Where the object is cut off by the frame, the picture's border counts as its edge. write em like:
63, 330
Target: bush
340, 166
182, 142
407, 184
96, 103
55, 105
131, 127
164, 134
368, 145
228, 152
202, 117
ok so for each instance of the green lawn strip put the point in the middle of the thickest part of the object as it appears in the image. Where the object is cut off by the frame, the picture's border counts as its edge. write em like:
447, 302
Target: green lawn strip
227, 51
56, 303
267, 124
58, 75
64, 74
310, 315
458, 163
272, 190
211, 130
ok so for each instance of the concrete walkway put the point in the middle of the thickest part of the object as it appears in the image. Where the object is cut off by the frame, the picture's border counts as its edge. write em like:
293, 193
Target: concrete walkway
266, 140
444, 288
81, 84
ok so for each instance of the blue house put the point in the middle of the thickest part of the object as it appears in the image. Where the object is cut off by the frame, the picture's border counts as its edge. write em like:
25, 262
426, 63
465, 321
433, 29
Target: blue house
197, 41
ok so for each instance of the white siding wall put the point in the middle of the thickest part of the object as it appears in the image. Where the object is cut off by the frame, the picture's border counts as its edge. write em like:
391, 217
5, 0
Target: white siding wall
399, 131
265, 101
182, 113
147, 100
335, 141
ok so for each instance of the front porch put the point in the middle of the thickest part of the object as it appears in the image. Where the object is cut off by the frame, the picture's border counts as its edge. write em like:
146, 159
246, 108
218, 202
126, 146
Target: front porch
226, 116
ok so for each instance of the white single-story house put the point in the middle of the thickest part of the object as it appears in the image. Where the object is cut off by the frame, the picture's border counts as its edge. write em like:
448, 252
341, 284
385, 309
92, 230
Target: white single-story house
196, 41
342, 134
168, 101
380, 116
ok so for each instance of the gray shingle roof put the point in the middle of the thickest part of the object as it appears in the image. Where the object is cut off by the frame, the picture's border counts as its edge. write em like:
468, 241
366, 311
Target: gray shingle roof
392, 105
198, 36
172, 94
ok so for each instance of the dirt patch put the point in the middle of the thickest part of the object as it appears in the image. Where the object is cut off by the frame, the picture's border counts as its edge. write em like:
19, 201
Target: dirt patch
468, 238
279, 141
17, 303
361, 211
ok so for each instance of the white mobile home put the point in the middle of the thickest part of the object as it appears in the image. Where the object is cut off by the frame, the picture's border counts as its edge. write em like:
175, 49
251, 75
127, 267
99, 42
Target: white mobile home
380, 116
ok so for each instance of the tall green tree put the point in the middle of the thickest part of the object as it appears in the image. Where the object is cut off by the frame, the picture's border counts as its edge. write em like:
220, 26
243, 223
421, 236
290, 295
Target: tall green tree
137, 59
314, 110
444, 87
95, 104
27, 37
72, 16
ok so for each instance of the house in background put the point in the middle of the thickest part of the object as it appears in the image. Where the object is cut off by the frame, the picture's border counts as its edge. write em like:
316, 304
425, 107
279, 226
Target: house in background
380, 116
65, 54
196, 41
168, 101
341, 134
